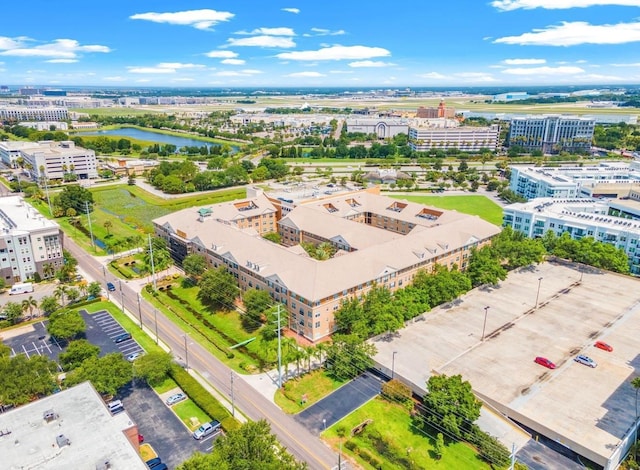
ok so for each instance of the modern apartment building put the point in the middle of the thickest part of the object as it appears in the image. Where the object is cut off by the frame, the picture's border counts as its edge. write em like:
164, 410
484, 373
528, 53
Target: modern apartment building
53, 159
28, 242
606, 179
552, 134
378, 240
424, 136
433, 113
613, 222
24, 113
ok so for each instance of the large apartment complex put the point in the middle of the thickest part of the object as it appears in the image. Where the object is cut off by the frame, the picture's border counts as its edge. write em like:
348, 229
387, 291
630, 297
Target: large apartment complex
616, 222
552, 134
28, 242
378, 241
606, 179
53, 159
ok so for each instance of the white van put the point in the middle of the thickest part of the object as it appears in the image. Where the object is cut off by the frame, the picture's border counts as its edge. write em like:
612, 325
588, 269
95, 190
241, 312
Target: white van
21, 288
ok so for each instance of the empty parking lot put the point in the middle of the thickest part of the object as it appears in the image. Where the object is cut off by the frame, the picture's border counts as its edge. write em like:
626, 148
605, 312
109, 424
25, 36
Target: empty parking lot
588, 410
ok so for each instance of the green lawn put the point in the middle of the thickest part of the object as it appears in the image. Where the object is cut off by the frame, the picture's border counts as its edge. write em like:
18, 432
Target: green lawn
167, 384
190, 414
315, 385
406, 442
472, 204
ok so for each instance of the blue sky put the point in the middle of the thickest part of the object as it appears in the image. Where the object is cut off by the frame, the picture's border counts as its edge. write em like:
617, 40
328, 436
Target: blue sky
352, 43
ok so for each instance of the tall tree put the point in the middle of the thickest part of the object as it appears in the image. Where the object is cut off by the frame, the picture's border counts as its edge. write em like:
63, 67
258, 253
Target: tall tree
484, 267
349, 356
77, 352
153, 366
66, 324
29, 304
255, 303
194, 265
107, 374
13, 312
218, 288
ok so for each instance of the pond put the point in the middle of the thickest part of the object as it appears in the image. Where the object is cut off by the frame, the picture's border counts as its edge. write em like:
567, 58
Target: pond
140, 134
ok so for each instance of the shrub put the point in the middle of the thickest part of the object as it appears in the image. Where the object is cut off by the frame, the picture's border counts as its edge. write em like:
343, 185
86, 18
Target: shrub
396, 391
352, 446
202, 398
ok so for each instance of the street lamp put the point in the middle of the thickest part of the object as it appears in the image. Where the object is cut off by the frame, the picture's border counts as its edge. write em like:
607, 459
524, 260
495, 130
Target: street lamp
155, 318
186, 351
538, 293
393, 364
121, 294
324, 423
484, 326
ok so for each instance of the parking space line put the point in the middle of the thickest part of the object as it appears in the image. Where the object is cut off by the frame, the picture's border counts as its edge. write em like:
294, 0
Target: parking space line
25, 351
13, 351
56, 342
45, 345
35, 348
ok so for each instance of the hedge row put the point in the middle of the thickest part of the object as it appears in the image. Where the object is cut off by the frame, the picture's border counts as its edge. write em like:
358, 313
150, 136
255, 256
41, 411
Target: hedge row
199, 395
364, 454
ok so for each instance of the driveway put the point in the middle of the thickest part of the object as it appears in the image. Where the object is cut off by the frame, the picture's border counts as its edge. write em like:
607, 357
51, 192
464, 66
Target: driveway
39, 291
161, 428
340, 403
538, 456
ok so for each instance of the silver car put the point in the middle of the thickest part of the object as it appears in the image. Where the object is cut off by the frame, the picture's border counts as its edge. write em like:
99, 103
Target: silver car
175, 398
586, 360
206, 429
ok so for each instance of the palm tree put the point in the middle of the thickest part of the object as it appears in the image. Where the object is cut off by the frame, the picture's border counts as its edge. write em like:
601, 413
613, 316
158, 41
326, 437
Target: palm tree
29, 304
107, 225
320, 349
60, 293
48, 270
635, 383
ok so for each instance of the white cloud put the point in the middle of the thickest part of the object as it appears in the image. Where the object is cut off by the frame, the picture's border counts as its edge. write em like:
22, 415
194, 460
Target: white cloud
143, 80
263, 41
475, 77
306, 74
222, 54
252, 71
183, 79
575, 33
232, 61
325, 32
370, 63
508, 5
563, 70
62, 61
631, 64
150, 70
240, 73
179, 65
341, 71
114, 79
432, 76
270, 32
292, 10
336, 53
200, 19
60, 48
9, 43
524, 61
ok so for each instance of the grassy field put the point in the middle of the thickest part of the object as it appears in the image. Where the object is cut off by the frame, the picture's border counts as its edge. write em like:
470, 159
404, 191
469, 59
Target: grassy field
190, 414
405, 442
315, 385
473, 205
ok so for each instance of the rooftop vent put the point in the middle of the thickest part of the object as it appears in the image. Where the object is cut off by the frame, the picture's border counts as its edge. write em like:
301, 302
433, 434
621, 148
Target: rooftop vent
50, 415
62, 441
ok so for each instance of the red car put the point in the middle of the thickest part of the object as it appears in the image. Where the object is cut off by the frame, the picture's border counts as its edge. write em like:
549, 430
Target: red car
543, 361
602, 345
140, 438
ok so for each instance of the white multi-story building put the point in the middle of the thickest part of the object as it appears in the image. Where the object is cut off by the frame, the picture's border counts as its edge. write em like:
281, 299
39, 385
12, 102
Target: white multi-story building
53, 159
46, 125
28, 242
551, 134
10, 150
606, 179
424, 136
23, 113
581, 217
383, 128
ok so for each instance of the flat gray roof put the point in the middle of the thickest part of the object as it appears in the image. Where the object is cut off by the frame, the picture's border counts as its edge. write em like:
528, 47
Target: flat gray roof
16, 214
94, 435
587, 410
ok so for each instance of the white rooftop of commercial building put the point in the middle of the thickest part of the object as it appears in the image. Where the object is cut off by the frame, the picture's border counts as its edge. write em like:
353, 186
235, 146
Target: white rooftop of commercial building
17, 216
78, 414
615, 172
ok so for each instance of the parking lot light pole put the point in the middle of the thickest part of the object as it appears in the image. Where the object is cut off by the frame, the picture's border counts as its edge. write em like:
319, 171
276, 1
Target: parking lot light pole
484, 326
324, 423
538, 293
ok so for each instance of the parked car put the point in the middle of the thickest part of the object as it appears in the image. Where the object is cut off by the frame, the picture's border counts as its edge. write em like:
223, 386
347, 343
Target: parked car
110, 286
602, 345
586, 360
175, 398
153, 463
543, 361
122, 337
132, 357
115, 406
206, 429
140, 438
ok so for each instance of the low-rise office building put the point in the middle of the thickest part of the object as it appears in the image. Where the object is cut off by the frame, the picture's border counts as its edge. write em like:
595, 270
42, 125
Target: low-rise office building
606, 179
10, 150
378, 241
28, 242
552, 134
607, 221
69, 429
54, 159
383, 128
25, 113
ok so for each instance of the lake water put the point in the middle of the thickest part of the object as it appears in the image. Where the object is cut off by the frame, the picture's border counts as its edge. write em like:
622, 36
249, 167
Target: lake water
153, 137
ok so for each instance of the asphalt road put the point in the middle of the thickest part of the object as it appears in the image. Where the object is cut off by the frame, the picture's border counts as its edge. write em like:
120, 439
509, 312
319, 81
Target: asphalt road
294, 436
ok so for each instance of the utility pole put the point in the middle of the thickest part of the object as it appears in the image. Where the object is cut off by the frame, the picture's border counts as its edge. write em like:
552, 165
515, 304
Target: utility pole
153, 269
46, 186
155, 317
233, 406
279, 352
139, 311
121, 295
86, 208
186, 352
513, 457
